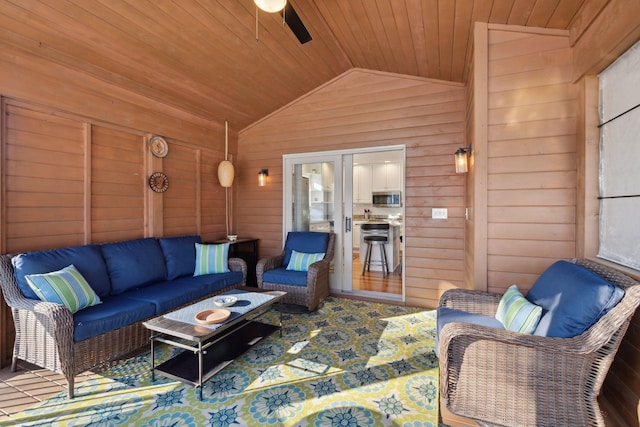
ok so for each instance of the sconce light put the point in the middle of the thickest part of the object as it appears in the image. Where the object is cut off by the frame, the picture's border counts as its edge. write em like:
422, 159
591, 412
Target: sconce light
462, 157
262, 177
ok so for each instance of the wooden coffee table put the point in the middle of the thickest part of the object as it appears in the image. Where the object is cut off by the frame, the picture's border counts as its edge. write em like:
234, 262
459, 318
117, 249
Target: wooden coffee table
230, 338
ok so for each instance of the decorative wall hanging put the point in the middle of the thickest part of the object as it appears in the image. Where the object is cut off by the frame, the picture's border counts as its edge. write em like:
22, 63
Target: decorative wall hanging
159, 182
158, 146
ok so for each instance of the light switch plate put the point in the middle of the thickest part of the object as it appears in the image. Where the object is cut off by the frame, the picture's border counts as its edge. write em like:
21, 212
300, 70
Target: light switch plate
439, 213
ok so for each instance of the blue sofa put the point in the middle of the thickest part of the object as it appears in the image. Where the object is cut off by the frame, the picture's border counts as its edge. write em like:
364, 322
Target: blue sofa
135, 280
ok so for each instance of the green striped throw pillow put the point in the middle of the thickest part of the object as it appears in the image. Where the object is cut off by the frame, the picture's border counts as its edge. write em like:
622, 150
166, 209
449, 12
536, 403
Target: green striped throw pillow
211, 259
516, 313
67, 287
301, 261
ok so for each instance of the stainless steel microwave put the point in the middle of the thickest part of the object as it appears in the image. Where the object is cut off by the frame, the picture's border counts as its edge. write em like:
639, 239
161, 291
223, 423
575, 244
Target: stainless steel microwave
389, 199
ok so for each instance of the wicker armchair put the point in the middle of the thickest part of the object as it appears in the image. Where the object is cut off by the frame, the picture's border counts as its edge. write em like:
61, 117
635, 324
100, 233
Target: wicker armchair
503, 378
309, 294
44, 331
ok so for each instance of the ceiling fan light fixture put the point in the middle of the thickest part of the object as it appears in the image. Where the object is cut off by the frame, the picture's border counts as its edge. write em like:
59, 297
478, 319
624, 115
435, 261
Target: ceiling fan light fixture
271, 6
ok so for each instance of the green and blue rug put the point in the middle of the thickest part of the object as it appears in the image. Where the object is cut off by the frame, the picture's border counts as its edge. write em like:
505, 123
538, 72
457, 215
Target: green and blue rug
351, 363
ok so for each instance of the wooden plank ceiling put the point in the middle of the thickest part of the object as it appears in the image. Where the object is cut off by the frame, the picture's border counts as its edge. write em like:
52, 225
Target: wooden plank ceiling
202, 56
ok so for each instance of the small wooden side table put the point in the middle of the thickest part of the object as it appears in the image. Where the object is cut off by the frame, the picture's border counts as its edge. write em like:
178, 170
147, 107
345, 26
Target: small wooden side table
246, 249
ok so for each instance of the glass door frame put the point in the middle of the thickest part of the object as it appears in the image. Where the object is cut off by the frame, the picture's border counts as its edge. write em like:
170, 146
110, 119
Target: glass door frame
289, 161
342, 278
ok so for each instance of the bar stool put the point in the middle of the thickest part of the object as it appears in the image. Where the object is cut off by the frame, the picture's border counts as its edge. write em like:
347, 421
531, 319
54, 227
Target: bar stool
375, 234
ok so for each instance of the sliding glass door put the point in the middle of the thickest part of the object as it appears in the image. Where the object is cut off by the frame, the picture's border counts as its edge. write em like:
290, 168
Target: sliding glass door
333, 192
313, 193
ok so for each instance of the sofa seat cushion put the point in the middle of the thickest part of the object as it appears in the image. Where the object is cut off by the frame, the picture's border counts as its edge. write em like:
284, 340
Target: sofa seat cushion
309, 242
573, 299
114, 312
134, 263
179, 255
283, 276
447, 315
166, 296
87, 259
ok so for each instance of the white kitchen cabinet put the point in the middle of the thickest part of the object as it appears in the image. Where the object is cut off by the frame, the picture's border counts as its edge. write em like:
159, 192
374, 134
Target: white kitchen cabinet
355, 229
386, 176
362, 184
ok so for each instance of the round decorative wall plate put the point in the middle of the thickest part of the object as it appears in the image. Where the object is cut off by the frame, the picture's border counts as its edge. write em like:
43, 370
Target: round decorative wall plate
158, 146
158, 182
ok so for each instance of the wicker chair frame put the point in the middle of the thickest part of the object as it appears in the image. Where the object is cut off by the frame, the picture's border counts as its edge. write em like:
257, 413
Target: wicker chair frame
44, 331
503, 378
317, 287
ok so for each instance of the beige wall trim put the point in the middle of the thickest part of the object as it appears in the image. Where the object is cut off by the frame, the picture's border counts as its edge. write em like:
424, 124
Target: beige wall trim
523, 29
480, 155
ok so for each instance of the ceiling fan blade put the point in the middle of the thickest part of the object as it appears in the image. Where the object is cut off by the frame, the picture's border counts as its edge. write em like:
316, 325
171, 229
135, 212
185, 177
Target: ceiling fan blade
295, 23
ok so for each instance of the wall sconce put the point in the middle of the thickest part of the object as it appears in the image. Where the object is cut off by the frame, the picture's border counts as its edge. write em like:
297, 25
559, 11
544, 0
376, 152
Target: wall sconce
462, 157
262, 177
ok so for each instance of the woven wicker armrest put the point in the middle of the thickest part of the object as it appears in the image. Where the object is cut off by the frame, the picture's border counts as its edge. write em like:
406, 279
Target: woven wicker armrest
266, 264
317, 269
238, 264
468, 332
476, 302
57, 317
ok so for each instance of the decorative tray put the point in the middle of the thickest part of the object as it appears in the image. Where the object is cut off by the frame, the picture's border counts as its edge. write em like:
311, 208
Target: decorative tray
212, 316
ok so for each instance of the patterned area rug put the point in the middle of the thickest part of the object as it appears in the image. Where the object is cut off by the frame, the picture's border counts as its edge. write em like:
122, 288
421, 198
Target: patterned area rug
351, 363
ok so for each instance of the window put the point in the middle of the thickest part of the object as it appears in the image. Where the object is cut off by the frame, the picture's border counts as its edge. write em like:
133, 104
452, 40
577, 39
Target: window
620, 160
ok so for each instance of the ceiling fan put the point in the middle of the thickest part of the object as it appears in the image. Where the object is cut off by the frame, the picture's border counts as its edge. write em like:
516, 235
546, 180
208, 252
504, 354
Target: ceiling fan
289, 16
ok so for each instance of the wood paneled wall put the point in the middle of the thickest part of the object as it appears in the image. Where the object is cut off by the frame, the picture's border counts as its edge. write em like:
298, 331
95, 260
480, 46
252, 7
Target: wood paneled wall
531, 154
74, 165
367, 109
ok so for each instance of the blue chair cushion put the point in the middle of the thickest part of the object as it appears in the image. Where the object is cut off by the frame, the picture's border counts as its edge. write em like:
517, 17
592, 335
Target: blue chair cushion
87, 259
179, 255
114, 312
285, 277
309, 242
447, 315
168, 295
573, 299
134, 263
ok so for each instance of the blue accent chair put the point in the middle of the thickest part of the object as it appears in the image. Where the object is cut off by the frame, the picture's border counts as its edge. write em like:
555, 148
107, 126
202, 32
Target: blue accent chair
305, 288
551, 377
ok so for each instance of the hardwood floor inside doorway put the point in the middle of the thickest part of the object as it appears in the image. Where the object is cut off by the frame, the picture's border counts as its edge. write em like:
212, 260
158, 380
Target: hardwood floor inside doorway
373, 281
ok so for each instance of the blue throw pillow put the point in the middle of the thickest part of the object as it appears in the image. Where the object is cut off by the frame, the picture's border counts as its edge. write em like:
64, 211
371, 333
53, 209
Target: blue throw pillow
516, 313
301, 261
572, 298
304, 241
179, 255
211, 259
66, 287
134, 263
87, 259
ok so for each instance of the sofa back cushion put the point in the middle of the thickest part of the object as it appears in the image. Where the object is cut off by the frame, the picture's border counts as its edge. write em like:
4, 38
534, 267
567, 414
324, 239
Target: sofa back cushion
134, 263
179, 255
573, 299
309, 242
87, 259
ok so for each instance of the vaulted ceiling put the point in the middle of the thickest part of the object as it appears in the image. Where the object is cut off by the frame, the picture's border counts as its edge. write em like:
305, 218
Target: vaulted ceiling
202, 56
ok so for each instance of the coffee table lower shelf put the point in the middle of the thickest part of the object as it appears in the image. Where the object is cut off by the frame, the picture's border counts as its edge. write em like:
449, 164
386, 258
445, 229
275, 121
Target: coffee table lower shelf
185, 366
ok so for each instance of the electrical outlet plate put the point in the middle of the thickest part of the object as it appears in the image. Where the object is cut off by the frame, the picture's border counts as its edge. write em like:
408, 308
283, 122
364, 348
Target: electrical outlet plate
439, 213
